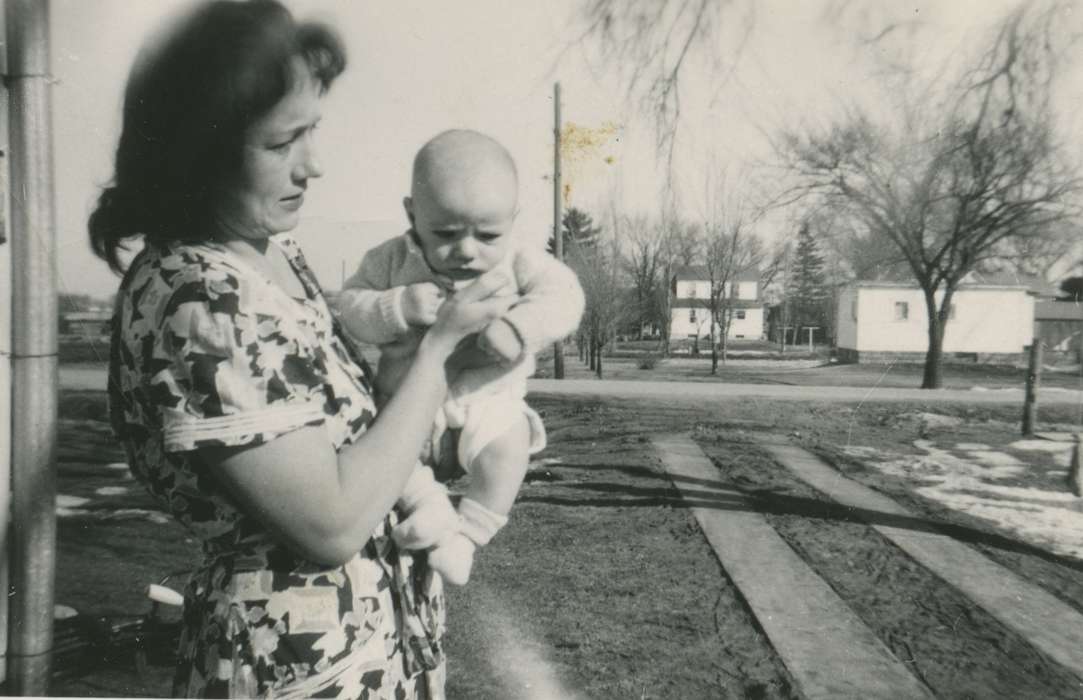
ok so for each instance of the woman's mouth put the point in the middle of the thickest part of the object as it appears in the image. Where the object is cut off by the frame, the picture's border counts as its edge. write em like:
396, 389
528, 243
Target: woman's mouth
293, 203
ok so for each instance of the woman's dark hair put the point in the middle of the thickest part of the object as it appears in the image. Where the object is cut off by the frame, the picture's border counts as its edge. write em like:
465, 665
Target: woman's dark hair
189, 100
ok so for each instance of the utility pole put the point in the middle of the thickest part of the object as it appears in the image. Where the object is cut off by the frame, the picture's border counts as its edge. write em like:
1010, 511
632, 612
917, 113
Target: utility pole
784, 310
34, 350
558, 233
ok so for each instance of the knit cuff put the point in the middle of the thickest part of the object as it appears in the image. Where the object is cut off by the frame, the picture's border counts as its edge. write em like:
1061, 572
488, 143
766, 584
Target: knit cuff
478, 522
526, 341
390, 305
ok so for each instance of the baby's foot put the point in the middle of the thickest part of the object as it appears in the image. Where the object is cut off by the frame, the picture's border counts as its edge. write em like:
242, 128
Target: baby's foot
431, 521
453, 559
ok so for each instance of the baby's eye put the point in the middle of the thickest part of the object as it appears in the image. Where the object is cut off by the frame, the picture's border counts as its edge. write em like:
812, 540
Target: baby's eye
488, 237
445, 234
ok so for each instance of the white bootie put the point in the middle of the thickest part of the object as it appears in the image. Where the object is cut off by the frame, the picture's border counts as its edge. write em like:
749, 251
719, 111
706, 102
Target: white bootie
454, 557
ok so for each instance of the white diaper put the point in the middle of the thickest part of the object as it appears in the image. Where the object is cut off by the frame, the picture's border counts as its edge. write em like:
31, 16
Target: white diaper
483, 419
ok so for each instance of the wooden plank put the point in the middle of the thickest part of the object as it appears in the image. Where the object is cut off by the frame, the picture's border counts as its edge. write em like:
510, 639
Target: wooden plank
1048, 624
828, 650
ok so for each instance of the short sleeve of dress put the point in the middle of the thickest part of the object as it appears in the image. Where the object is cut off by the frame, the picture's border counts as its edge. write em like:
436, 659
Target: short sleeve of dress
230, 367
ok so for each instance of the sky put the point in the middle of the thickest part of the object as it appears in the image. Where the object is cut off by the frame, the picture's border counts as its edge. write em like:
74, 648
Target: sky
417, 68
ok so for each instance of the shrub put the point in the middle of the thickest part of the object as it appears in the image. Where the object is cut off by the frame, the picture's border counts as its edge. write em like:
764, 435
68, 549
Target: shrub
648, 361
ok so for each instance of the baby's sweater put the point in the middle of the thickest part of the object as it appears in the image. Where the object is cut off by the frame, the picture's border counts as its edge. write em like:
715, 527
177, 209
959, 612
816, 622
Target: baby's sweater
370, 307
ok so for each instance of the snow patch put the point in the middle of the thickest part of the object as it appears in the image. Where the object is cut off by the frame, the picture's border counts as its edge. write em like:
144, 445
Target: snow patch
112, 491
1041, 446
1049, 518
63, 612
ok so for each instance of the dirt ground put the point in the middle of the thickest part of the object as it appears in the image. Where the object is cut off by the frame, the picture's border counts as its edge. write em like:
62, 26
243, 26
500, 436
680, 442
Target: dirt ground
602, 585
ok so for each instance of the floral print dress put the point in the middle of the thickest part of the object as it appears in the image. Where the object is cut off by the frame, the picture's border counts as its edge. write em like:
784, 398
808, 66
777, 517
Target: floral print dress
208, 352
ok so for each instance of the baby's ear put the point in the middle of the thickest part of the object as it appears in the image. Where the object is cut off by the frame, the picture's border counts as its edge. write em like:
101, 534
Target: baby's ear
408, 205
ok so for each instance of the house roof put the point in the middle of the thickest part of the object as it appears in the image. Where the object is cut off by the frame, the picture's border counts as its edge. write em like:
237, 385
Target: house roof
1034, 284
979, 280
1058, 311
914, 285
699, 273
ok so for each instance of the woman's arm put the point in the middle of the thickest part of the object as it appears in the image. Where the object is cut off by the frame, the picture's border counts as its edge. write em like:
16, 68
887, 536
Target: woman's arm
326, 505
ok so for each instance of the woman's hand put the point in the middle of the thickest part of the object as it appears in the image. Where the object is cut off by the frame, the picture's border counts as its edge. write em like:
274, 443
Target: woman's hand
469, 311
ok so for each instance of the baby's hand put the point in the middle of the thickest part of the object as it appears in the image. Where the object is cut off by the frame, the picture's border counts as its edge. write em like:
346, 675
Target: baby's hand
500, 340
420, 302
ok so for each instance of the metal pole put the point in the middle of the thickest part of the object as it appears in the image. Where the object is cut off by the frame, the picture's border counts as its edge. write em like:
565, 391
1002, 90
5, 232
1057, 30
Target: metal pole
1034, 377
5, 379
558, 233
34, 343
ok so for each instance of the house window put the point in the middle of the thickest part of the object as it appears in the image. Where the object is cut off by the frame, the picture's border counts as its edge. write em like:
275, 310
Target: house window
691, 315
902, 311
741, 314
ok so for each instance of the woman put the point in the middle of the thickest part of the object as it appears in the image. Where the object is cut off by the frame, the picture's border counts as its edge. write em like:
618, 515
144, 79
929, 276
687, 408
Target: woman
242, 408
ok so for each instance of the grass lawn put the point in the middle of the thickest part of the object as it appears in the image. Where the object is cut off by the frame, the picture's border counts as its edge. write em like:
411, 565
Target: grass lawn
602, 585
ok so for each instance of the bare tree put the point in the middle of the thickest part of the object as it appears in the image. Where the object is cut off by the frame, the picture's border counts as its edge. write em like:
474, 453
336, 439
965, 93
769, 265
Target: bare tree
651, 42
730, 247
685, 242
953, 192
600, 274
650, 258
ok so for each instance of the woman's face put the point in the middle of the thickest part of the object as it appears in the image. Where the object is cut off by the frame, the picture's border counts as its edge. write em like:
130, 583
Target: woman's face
278, 159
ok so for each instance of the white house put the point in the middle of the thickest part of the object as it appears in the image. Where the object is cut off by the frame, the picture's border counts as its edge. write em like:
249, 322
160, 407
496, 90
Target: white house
878, 321
690, 316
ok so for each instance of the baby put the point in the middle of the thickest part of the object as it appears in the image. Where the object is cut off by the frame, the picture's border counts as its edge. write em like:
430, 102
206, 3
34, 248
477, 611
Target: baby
462, 208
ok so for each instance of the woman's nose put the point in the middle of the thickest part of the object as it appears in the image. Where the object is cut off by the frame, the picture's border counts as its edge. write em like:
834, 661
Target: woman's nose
309, 164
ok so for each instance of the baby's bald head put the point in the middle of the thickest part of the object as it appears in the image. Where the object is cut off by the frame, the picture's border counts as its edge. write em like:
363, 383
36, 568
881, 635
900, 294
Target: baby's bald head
462, 164
462, 204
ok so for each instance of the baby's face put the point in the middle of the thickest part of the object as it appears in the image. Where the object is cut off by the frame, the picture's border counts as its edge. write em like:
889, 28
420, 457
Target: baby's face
465, 226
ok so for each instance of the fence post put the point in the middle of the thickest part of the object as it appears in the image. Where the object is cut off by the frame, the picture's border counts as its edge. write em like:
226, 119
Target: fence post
1034, 377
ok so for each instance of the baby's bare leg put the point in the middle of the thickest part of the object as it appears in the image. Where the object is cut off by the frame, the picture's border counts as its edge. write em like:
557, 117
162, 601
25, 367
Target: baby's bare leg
495, 478
498, 472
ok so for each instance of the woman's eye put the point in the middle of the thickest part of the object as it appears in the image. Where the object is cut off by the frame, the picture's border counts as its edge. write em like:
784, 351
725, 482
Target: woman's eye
280, 147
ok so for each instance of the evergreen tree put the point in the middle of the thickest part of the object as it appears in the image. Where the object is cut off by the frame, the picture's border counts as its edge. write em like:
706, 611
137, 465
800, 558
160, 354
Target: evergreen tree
1072, 289
807, 290
578, 228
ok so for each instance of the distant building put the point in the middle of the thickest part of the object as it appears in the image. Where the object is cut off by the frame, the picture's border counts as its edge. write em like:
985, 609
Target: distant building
87, 324
690, 317
884, 321
1059, 324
